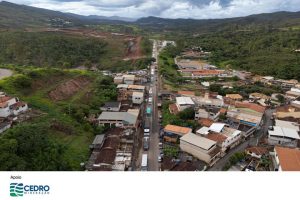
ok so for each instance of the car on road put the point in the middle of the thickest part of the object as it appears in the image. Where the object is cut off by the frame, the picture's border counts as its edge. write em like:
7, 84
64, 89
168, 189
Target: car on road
146, 143
159, 159
150, 100
160, 145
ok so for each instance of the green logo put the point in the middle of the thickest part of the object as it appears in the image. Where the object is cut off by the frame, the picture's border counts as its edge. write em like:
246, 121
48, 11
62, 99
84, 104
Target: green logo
16, 189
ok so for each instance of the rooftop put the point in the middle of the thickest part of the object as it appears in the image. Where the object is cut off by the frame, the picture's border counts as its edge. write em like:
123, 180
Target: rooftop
217, 127
203, 131
136, 87
177, 129
112, 104
289, 159
184, 101
206, 122
220, 138
284, 132
234, 96
198, 141
186, 93
257, 150
122, 116
287, 124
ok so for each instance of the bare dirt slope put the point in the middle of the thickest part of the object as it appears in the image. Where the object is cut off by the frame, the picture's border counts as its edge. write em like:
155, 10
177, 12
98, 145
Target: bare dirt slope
68, 89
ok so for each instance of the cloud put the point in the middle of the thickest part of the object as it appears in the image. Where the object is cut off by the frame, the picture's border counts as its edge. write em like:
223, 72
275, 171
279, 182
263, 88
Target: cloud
200, 9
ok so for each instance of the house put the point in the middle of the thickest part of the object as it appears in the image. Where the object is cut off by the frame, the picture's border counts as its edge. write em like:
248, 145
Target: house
258, 96
286, 159
173, 109
249, 114
172, 133
111, 106
137, 97
256, 152
225, 137
207, 101
19, 107
288, 112
123, 93
98, 142
284, 133
184, 103
118, 119
129, 79
207, 113
236, 97
295, 104
11, 106
205, 122
200, 147
293, 93
136, 88
119, 80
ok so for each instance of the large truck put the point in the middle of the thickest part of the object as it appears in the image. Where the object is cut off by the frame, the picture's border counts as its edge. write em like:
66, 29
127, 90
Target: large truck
144, 166
147, 127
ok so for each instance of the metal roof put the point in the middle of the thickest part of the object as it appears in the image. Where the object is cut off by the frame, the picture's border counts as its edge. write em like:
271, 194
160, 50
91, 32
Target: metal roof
98, 139
124, 116
287, 124
198, 141
184, 101
284, 132
217, 127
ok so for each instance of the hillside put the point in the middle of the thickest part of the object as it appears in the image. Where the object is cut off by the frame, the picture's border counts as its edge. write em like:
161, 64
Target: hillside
274, 20
56, 136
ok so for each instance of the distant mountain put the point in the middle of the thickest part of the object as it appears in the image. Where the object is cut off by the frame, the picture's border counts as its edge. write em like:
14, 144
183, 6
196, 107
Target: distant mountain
22, 16
275, 20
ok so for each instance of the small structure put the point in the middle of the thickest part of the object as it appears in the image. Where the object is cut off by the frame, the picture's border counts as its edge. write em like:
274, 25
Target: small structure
236, 97
118, 119
200, 147
111, 106
137, 97
286, 159
257, 152
288, 137
172, 133
129, 79
98, 142
184, 103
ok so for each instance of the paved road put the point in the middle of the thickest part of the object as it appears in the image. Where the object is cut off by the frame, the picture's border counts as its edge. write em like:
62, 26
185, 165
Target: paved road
250, 142
154, 134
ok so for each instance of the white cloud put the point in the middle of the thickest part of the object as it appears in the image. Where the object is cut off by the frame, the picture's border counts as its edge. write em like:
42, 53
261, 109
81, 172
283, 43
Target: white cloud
201, 9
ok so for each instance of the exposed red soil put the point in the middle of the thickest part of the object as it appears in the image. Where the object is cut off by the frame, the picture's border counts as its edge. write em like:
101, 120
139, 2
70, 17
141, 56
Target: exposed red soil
69, 88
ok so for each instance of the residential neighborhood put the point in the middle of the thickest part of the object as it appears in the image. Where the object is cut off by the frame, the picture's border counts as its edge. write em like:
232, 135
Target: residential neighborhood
234, 131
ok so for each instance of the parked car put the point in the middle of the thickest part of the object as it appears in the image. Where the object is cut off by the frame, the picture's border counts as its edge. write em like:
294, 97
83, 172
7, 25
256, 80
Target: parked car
159, 159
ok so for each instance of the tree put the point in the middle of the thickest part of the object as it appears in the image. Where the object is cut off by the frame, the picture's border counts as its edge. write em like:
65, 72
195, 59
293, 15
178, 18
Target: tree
280, 98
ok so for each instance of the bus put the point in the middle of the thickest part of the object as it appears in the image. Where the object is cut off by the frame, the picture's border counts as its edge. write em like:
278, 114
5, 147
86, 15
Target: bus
144, 166
148, 111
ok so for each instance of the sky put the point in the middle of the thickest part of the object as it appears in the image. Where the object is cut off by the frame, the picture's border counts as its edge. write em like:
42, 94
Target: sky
198, 9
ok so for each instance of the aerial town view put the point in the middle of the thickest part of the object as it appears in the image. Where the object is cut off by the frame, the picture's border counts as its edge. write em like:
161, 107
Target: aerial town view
150, 90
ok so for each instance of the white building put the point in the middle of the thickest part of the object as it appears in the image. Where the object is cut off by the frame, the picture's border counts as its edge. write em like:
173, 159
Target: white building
200, 147
137, 97
183, 103
129, 79
283, 136
19, 107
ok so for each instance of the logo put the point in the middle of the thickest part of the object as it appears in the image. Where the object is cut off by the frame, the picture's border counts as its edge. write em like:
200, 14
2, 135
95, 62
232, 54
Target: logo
16, 189
20, 189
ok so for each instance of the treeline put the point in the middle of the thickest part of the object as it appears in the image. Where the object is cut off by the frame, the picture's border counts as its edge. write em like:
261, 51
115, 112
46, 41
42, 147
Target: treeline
49, 49
265, 52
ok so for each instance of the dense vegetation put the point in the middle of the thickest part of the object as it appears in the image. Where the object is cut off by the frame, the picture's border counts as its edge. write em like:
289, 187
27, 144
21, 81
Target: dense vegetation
49, 49
266, 52
58, 138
